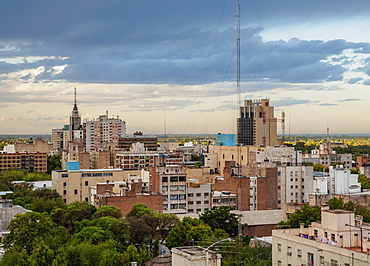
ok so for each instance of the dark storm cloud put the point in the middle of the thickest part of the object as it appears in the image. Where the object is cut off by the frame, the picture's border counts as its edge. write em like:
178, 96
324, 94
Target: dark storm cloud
172, 42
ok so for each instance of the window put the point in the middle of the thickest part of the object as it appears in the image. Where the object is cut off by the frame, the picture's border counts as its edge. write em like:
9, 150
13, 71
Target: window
165, 179
206, 202
199, 202
174, 206
310, 258
64, 193
182, 187
164, 188
299, 253
86, 183
182, 178
199, 210
173, 188
174, 178
182, 206
289, 251
64, 175
75, 191
86, 199
199, 194
182, 196
206, 194
174, 197
64, 184
334, 262
332, 237
279, 247
165, 197
279, 263
190, 210
165, 207
315, 233
322, 259
190, 195
190, 202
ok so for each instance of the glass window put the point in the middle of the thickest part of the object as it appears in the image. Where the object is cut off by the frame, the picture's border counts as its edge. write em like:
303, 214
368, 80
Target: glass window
174, 197
206, 194
174, 206
199, 202
165, 207
173, 188
165, 197
182, 178
75, 191
289, 251
164, 188
299, 253
190, 195
182, 187
182, 206
165, 179
174, 178
199, 194
182, 196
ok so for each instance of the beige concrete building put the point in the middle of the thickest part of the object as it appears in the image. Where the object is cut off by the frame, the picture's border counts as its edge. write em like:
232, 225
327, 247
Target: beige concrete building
231, 153
199, 197
73, 185
34, 145
103, 130
257, 125
195, 256
340, 239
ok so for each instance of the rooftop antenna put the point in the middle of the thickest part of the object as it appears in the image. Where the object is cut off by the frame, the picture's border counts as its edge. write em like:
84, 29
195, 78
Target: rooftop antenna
75, 97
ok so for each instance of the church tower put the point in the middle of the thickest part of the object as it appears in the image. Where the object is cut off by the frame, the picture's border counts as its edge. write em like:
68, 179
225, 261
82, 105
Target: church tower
75, 119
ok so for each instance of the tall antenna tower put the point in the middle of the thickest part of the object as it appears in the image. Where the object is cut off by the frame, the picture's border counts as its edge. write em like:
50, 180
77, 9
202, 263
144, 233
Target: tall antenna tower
75, 96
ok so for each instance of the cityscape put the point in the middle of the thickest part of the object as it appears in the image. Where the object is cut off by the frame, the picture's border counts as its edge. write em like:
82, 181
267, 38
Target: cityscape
184, 133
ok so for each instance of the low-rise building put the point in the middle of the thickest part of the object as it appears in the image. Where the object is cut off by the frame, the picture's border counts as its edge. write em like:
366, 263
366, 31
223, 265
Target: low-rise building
30, 161
73, 185
339, 239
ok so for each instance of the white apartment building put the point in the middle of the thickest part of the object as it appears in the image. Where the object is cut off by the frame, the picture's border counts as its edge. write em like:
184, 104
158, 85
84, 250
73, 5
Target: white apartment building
174, 189
294, 184
342, 181
339, 239
103, 131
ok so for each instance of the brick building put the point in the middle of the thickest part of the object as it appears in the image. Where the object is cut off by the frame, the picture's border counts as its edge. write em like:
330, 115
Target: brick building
30, 161
257, 192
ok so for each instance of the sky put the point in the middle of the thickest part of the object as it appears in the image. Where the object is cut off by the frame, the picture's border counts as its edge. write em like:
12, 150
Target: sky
170, 66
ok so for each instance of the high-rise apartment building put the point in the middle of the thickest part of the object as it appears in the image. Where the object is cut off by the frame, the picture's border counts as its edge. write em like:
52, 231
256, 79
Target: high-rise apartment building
104, 132
257, 125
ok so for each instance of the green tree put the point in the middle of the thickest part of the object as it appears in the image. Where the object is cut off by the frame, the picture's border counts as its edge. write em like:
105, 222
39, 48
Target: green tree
305, 214
335, 203
189, 231
27, 231
54, 162
320, 168
105, 211
222, 218
139, 210
365, 182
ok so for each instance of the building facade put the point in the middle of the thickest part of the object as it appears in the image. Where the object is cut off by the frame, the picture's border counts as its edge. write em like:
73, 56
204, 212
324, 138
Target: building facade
104, 132
257, 125
339, 239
